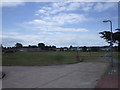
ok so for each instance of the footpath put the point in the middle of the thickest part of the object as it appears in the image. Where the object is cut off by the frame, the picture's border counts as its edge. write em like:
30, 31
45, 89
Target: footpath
110, 79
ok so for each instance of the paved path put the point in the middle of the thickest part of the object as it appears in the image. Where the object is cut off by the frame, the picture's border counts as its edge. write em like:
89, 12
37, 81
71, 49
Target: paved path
82, 75
111, 78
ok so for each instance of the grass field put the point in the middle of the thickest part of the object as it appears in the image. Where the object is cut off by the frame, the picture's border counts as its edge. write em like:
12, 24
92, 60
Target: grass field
49, 58
116, 55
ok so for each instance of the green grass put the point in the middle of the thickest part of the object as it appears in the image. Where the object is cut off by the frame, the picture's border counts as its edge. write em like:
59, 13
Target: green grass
91, 56
116, 55
47, 58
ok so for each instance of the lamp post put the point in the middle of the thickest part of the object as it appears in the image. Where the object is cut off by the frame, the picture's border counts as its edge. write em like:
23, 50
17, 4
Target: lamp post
118, 29
110, 28
111, 38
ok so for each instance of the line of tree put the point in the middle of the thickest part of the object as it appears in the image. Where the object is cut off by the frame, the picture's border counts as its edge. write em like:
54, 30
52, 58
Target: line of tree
42, 46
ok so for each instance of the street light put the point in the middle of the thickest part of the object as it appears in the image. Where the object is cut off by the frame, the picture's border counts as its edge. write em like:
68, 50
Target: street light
105, 21
111, 39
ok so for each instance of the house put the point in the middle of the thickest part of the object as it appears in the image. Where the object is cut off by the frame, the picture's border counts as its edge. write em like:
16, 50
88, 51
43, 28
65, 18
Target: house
75, 48
65, 48
26, 49
105, 48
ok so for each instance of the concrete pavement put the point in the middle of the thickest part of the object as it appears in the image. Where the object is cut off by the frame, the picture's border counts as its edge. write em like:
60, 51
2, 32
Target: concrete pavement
81, 75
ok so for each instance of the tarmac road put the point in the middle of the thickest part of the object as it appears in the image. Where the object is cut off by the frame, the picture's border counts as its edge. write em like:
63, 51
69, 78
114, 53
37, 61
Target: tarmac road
81, 75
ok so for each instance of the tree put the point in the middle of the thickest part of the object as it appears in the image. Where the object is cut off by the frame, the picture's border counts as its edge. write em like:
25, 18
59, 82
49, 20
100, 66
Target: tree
84, 49
115, 37
41, 46
94, 49
34, 46
54, 48
18, 45
47, 48
70, 46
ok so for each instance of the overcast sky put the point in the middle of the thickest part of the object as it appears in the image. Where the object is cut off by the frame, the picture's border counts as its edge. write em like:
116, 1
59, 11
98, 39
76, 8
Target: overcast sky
57, 23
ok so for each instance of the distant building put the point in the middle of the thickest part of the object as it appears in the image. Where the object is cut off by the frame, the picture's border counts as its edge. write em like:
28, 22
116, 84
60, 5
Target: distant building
36, 49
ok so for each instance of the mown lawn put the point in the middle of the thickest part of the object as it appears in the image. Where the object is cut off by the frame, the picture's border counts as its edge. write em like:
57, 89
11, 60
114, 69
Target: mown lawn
48, 58
116, 55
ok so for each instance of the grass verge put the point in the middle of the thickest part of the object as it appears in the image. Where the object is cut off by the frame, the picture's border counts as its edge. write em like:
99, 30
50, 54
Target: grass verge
47, 58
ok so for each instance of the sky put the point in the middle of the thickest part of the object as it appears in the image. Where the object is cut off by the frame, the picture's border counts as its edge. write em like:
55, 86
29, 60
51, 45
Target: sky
57, 23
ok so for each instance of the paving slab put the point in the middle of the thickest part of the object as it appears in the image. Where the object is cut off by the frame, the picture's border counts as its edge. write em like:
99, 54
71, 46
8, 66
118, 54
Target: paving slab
81, 75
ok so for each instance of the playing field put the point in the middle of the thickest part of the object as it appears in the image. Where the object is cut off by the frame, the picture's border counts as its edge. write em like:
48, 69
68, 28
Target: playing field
49, 58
